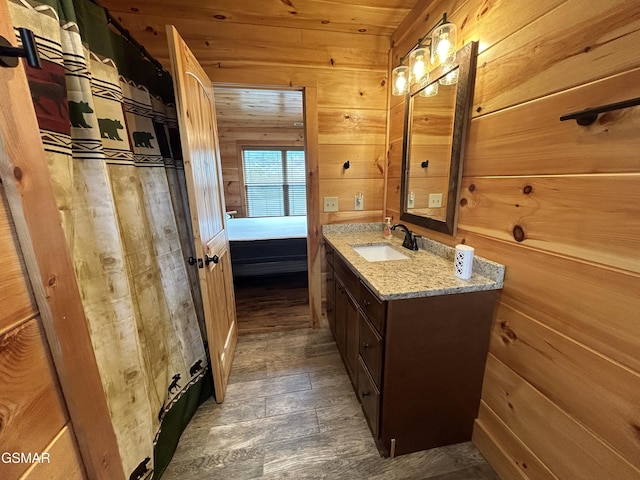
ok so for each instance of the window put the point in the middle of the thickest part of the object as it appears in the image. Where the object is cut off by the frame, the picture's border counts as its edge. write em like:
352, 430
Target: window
274, 181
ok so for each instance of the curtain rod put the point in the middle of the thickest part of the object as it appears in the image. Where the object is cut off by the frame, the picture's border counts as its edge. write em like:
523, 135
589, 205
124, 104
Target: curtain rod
125, 33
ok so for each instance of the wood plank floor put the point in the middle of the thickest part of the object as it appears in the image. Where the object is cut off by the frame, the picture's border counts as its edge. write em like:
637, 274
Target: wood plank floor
272, 304
291, 413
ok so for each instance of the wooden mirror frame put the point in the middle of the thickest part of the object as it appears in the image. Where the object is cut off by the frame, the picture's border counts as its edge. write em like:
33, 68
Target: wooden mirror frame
466, 62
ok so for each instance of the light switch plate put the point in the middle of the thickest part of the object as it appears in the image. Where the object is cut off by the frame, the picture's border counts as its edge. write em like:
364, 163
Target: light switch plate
435, 200
330, 204
358, 203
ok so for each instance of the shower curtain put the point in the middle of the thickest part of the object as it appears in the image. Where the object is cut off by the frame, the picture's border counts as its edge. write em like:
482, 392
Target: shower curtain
110, 135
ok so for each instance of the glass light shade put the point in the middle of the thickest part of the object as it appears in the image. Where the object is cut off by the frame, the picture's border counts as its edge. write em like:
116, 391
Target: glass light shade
429, 90
400, 80
418, 65
451, 77
443, 44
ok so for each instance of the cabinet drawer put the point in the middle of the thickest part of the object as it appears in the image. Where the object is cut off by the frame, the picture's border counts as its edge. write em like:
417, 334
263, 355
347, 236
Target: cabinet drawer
369, 397
346, 275
372, 307
371, 350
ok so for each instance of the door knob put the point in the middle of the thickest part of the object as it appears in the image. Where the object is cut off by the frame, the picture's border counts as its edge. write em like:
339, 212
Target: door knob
192, 260
208, 259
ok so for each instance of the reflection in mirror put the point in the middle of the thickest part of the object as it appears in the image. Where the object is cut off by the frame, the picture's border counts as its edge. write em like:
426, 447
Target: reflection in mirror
436, 119
430, 145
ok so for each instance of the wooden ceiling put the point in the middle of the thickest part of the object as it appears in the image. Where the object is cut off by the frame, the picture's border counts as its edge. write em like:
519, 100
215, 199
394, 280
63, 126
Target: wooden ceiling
257, 108
228, 34
370, 17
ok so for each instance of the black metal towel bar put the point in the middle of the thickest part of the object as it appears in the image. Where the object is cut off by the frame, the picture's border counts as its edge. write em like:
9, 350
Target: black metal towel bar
589, 115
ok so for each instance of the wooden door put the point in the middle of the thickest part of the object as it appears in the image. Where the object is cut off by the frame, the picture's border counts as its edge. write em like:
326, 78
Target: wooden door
199, 136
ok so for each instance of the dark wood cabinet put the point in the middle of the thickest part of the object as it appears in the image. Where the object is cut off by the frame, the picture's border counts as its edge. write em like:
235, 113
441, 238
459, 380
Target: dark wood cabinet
416, 364
345, 313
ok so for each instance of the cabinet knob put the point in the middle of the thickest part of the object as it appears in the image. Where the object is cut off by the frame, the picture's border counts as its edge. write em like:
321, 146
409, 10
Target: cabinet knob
365, 345
365, 394
366, 303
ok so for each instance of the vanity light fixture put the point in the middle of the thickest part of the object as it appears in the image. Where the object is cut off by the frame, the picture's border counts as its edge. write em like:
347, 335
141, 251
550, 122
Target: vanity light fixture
437, 49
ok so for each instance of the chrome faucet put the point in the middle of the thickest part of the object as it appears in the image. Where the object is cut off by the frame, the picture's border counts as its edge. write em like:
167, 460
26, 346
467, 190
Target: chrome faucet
410, 241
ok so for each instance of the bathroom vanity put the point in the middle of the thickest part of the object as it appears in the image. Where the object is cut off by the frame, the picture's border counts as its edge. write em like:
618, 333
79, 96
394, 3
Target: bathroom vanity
413, 337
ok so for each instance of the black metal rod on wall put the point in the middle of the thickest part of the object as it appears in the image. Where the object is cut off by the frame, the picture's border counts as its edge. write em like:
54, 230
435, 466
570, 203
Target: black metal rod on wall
589, 115
127, 35
9, 54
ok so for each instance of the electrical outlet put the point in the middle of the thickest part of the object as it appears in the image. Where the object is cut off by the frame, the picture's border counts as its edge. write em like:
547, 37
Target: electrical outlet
435, 200
330, 204
358, 203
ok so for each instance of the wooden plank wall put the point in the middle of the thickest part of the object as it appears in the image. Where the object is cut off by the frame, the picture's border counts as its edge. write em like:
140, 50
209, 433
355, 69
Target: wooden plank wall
559, 205
33, 414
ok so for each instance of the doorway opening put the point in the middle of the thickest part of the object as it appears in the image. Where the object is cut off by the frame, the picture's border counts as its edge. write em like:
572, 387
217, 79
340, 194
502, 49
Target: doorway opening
261, 134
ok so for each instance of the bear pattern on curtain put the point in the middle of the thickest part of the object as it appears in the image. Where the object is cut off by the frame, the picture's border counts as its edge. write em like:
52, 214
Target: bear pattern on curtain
121, 195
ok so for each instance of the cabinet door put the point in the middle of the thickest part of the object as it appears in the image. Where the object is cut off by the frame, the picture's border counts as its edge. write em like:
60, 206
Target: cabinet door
351, 340
342, 301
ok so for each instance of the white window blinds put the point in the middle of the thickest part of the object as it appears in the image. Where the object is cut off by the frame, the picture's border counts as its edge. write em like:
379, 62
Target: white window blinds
274, 182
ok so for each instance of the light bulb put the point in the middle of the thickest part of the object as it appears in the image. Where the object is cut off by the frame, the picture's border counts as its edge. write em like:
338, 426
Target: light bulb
443, 49
400, 82
418, 67
429, 90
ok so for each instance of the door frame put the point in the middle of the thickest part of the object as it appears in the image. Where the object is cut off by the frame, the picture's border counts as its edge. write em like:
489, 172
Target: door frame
24, 173
314, 229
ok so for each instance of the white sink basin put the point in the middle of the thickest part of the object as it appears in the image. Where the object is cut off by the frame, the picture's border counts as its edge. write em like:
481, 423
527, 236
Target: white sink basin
379, 253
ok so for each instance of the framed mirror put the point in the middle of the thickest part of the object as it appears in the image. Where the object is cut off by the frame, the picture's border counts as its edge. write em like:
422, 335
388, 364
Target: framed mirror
435, 129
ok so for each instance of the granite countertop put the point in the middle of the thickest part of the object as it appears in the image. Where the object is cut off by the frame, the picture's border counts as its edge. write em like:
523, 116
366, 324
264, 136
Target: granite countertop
428, 272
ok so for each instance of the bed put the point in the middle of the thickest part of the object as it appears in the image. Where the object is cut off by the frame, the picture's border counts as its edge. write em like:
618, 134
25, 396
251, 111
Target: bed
267, 245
